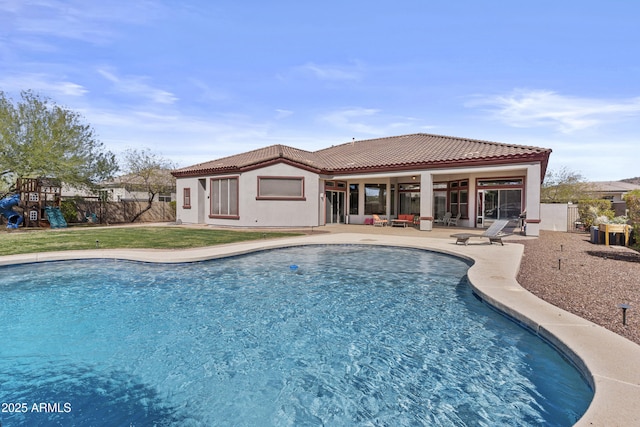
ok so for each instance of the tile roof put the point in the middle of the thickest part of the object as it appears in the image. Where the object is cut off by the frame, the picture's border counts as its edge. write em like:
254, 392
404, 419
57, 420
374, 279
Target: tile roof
613, 186
382, 154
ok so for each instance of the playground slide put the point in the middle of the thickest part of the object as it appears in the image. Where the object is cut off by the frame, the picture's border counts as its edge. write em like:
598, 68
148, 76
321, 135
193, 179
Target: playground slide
6, 210
55, 217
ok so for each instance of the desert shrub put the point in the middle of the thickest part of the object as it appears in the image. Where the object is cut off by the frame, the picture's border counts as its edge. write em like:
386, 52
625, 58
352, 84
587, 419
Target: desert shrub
619, 220
69, 211
594, 211
632, 199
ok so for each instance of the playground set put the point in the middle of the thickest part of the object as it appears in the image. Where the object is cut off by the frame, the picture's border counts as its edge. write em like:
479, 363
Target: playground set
39, 200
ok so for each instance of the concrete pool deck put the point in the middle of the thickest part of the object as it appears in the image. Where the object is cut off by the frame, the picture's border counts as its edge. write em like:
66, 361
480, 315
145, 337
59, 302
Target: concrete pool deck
607, 360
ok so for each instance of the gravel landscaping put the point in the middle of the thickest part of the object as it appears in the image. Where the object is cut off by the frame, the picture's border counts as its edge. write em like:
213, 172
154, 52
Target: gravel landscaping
586, 279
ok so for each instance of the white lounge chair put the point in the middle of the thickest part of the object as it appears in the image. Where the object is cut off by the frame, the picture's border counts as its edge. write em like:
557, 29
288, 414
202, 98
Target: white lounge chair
444, 220
493, 233
454, 221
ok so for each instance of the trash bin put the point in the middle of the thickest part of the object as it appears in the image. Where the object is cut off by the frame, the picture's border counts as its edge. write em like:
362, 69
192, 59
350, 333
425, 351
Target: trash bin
595, 234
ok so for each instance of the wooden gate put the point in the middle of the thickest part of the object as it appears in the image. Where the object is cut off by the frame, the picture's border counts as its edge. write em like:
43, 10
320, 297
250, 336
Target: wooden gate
573, 219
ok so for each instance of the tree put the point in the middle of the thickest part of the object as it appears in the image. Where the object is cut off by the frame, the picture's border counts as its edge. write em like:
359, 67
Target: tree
41, 139
563, 186
147, 172
632, 198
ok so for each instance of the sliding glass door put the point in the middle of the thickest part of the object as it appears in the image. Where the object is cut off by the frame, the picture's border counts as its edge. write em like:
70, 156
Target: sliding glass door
498, 204
335, 207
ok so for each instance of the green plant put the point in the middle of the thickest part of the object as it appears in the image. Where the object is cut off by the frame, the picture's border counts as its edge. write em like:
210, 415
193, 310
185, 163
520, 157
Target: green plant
632, 199
69, 211
619, 220
594, 211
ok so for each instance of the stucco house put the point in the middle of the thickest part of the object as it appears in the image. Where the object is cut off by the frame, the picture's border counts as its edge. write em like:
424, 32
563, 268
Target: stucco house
613, 191
134, 187
421, 174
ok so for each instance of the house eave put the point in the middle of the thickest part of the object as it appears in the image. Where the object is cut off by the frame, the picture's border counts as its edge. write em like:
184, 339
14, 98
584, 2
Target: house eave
454, 164
246, 168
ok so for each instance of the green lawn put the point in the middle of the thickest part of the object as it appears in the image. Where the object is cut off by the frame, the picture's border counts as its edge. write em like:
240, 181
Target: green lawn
23, 242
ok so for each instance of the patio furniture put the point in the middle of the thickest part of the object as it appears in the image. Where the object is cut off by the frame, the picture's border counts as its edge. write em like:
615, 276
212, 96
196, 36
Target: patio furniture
444, 220
454, 221
379, 222
402, 221
493, 233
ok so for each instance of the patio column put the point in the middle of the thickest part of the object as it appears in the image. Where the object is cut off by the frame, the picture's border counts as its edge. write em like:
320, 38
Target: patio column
388, 201
533, 200
426, 201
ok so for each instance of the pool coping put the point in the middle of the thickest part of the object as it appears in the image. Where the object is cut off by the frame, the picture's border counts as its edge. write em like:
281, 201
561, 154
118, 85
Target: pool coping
607, 360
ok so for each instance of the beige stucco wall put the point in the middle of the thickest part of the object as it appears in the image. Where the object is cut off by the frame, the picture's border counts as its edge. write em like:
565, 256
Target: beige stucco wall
278, 213
188, 216
252, 212
553, 216
310, 212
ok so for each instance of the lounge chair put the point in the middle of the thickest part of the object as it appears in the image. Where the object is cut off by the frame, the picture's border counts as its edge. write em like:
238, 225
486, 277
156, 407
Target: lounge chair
444, 220
454, 221
493, 233
377, 221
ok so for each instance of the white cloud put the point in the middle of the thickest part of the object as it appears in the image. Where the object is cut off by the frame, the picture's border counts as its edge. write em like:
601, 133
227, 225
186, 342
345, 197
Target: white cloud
567, 114
75, 19
283, 114
42, 83
353, 120
208, 93
183, 138
333, 72
138, 86
372, 122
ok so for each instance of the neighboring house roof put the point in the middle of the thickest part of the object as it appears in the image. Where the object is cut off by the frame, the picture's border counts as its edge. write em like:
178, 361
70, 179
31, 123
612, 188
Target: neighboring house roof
613, 186
378, 155
160, 176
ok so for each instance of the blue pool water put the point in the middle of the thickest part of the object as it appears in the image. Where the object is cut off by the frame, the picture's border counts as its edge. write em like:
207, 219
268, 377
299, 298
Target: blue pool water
354, 336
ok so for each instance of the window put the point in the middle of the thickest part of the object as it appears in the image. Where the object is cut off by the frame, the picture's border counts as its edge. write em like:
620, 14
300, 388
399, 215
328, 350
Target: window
500, 182
285, 188
186, 198
440, 185
501, 198
393, 199
453, 203
502, 204
459, 198
353, 199
224, 197
409, 198
375, 199
332, 185
104, 195
463, 203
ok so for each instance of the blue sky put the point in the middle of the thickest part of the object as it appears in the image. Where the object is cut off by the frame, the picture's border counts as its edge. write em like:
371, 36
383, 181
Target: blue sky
199, 80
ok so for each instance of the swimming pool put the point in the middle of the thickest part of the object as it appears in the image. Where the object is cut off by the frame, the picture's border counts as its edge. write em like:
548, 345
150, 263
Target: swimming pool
355, 335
